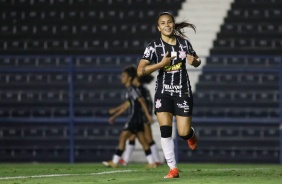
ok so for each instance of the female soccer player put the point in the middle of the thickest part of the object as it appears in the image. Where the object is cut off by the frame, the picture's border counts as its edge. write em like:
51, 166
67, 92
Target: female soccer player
135, 102
139, 83
173, 96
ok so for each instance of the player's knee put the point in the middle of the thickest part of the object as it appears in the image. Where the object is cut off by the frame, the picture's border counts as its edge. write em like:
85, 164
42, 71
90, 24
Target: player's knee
187, 135
166, 131
184, 131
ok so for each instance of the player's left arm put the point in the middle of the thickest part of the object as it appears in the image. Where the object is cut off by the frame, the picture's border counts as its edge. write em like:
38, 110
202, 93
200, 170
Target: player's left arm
193, 60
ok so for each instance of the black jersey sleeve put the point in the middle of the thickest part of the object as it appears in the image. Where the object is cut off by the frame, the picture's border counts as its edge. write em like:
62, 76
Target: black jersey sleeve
150, 52
135, 93
191, 51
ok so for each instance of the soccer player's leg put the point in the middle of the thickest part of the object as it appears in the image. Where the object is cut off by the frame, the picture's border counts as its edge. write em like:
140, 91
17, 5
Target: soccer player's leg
141, 138
186, 132
164, 109
128, 151
152, 144
183, 111
121, 146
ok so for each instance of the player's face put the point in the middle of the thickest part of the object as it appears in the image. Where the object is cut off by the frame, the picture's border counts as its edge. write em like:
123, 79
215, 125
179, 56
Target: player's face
124, 78
135, 81
166, 25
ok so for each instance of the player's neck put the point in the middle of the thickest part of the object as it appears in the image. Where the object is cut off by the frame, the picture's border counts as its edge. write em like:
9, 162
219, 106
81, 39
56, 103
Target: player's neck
171, 40
127, 84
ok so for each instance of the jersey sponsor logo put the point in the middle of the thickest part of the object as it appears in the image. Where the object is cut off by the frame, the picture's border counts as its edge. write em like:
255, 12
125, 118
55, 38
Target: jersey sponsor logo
158, 103
172, 88
184, 106
173, 68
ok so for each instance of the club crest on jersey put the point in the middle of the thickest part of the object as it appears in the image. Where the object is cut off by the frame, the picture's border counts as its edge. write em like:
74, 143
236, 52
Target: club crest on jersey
182, 54
158, 103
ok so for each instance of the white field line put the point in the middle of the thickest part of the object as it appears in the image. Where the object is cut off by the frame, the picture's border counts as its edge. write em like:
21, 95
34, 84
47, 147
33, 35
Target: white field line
62, 175
111, 172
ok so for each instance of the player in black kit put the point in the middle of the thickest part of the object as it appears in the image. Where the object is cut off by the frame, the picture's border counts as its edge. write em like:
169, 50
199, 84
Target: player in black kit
139, 82
135, 102
173, 96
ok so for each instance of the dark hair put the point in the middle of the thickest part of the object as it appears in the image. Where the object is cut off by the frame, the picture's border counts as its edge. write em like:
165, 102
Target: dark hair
145, 79
178, 29
131, 71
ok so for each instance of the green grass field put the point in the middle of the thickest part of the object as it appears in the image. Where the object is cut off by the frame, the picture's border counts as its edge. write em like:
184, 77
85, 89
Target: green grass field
137, 174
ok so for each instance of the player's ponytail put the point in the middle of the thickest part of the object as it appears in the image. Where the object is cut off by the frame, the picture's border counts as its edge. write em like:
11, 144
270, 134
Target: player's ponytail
178, 29
146, 79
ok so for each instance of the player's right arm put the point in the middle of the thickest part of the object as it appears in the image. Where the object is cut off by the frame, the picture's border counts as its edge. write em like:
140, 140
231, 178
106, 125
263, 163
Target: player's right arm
115, 109
145, 67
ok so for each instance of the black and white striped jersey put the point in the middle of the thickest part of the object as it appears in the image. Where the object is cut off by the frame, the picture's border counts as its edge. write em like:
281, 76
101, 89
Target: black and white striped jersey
172, 80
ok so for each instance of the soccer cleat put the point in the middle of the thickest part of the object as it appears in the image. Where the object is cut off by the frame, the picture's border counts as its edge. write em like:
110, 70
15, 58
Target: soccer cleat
151, 166
193, 142
173, 173
122, 162
110, 164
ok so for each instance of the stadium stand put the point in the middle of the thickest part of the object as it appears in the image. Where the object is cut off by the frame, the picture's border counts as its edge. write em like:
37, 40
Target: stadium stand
47, 46
251, 27
79, 26
57, 61
239, 82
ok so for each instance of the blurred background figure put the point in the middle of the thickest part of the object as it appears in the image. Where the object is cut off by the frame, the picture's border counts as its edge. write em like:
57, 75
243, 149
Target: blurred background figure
140, 82
135, 103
